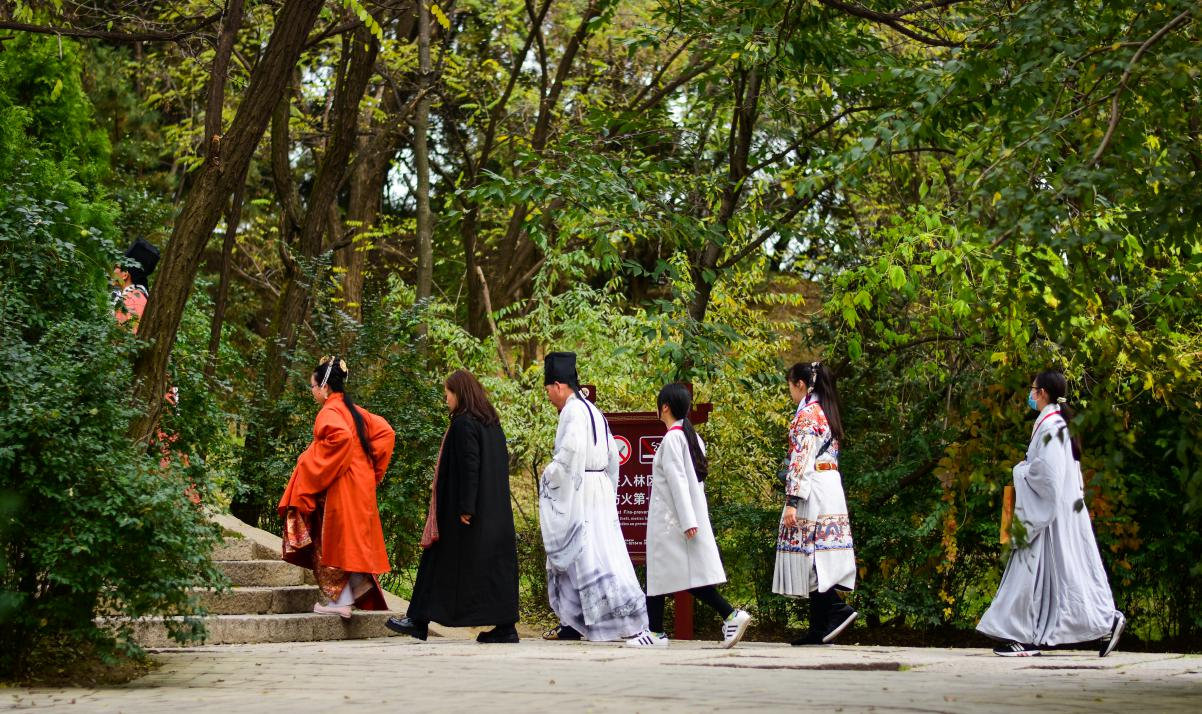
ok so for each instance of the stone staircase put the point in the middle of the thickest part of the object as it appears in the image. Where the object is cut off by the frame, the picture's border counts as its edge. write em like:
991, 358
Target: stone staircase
269, 601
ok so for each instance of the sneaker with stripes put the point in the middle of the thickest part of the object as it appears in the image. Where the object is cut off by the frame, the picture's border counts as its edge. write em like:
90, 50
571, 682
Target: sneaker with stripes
1016, 649
647, 638
1116, 631
733, 628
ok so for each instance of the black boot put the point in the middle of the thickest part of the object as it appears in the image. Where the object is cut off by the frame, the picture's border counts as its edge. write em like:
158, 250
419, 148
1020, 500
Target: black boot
839, 618
409, 626
819, 612
501, 634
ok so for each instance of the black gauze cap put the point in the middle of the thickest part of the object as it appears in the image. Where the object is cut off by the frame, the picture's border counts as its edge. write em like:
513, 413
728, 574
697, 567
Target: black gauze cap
144, 254
560, 367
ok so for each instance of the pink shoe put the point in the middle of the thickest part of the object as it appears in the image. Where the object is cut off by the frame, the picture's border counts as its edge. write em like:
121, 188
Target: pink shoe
343, 611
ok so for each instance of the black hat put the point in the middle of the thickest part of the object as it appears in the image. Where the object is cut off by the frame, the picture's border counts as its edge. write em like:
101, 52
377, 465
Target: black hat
142, 255
560, 367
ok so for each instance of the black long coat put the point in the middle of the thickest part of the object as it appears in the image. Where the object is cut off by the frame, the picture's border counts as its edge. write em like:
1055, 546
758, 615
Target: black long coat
469, 577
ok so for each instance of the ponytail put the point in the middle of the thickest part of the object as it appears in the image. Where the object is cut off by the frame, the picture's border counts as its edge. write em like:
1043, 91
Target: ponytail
701, 463
679, 401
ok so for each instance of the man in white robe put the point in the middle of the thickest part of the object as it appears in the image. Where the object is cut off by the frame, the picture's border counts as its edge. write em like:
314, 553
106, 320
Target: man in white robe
590, 581
1054, 590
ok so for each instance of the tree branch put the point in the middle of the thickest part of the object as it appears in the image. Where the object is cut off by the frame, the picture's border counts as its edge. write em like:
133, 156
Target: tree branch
770, 231
1181, 19
893, 20
110, 35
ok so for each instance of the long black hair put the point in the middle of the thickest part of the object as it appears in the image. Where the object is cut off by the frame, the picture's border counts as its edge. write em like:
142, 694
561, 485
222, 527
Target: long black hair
819, 379
330, 372
679, 401
1056, 386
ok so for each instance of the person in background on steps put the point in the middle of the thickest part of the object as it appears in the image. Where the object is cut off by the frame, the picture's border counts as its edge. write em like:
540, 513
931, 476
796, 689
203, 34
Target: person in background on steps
814, 556
1054, 590
681, 551
590, 581
331, 518
131, 293
131, 287
468, 574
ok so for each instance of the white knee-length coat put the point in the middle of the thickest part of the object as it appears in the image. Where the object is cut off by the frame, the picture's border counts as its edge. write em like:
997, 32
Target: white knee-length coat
674, 562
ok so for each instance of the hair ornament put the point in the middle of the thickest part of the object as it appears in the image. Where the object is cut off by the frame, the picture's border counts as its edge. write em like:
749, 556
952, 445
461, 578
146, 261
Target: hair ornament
329, 363
1061, 400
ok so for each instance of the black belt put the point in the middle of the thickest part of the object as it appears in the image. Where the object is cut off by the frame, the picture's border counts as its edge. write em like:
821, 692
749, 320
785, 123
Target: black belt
596, 471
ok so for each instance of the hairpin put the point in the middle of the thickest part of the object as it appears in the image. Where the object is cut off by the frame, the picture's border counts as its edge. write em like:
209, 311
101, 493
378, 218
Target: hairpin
329, 368
1061, 400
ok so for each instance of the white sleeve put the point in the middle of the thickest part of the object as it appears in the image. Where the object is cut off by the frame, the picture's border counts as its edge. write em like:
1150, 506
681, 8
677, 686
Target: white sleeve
1037, 483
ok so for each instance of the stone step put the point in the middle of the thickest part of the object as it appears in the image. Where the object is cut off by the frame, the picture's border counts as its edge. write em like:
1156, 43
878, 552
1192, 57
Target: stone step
263, 573
238, 548
296, 627
259, 600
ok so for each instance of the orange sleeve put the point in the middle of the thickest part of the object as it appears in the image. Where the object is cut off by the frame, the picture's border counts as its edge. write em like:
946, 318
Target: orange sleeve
325, 459
383, 440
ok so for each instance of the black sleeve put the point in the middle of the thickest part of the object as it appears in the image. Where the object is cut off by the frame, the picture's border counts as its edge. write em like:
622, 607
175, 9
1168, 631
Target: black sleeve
792, 501
465, 437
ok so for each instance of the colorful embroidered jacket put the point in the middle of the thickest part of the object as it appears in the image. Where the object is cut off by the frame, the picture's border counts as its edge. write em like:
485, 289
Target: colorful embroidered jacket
807, 433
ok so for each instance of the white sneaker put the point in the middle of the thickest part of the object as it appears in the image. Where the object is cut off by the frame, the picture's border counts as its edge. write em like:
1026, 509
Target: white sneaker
647, 638
734, 627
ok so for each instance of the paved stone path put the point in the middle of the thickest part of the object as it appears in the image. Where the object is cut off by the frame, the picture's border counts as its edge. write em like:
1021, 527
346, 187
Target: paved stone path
454, 675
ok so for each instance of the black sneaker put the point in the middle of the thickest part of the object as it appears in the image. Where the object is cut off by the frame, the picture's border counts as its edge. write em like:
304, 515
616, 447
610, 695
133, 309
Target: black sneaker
562, 632
840, 619
1116, 631
1016, 649
501, 634
406, 626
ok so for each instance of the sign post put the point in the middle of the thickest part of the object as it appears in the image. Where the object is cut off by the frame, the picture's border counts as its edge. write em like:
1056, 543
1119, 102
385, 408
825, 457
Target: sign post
638, 435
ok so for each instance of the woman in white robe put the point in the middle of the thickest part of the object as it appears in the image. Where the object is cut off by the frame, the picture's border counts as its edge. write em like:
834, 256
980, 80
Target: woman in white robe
591, 583
815, 558
1054, 590
682, 554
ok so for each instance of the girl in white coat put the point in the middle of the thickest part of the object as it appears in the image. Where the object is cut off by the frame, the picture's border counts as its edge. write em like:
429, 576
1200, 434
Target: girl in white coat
681, 551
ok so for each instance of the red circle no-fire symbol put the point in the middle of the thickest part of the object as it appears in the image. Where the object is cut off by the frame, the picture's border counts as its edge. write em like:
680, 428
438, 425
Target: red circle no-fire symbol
623, 449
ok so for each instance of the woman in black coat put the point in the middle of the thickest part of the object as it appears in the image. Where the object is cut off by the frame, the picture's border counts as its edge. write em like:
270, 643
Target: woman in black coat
468, 574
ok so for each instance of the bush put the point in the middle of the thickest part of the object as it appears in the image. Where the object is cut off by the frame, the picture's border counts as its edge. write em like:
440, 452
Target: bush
92, 526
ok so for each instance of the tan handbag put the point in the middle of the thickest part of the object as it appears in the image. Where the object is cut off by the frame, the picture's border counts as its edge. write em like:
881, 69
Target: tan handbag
1007, 514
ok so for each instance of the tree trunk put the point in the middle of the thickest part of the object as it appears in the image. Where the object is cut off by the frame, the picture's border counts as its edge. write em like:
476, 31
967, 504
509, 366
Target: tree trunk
297, 295
232, 219
742, 129
421, 155
221, 172
221, 64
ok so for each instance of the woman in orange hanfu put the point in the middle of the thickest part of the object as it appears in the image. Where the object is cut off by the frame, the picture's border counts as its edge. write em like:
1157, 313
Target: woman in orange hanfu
331, 520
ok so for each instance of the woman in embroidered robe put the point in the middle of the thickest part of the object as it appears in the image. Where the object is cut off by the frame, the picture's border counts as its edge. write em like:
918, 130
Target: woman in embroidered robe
681, 551
331, 519
814, 555
1054, 590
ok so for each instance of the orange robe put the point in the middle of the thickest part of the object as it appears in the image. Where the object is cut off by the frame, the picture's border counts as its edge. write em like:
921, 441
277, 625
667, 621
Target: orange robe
335, 477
